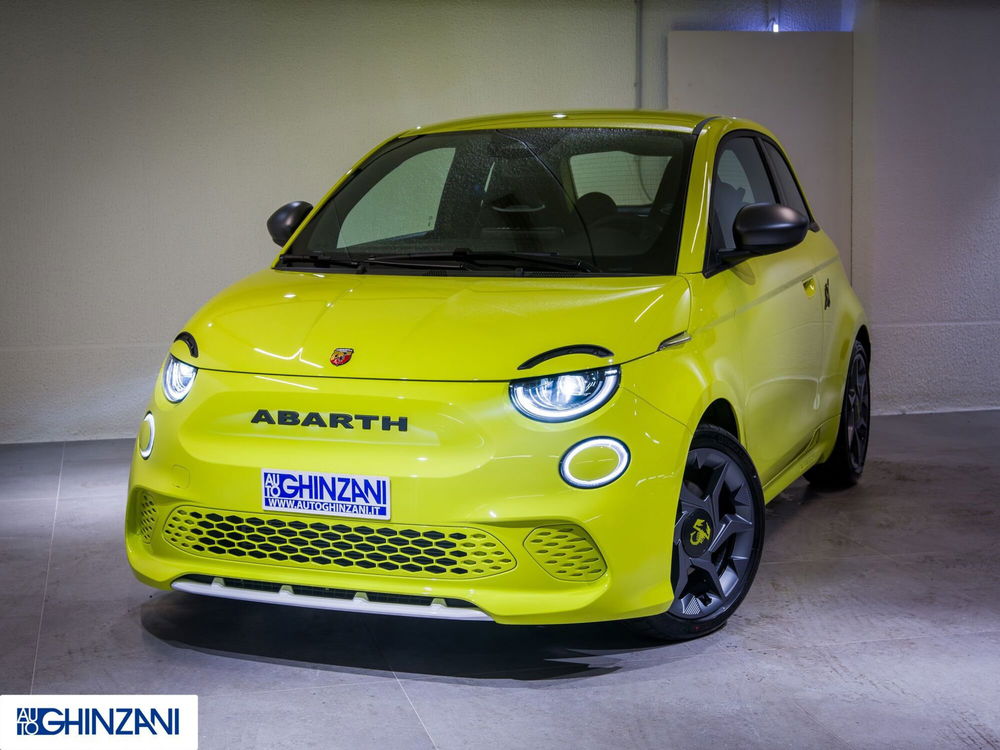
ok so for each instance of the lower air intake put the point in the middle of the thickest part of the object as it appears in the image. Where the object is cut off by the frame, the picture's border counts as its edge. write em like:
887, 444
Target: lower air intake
566, 552
147, 518
389, 549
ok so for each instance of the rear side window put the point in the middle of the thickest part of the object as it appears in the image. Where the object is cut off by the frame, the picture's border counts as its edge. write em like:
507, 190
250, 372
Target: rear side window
740, 179
630, 179
790, 194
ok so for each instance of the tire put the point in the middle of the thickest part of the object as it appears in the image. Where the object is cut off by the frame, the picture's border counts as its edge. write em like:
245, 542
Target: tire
720, 528
847, 462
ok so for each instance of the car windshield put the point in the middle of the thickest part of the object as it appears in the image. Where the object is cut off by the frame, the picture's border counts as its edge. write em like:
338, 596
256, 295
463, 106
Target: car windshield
517, 202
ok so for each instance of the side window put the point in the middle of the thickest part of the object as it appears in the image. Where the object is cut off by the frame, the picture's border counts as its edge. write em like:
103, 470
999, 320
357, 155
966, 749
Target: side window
629, 179
740, 179
404, 202
790, 194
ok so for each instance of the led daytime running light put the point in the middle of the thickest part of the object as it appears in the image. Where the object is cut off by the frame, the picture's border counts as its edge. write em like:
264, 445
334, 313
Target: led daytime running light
624, 458
147, 449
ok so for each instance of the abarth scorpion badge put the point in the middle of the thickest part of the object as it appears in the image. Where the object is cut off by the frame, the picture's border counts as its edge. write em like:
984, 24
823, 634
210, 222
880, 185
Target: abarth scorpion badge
341, 357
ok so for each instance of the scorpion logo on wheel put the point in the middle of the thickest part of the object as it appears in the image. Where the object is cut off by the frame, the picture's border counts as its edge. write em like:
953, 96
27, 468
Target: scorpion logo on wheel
701, 532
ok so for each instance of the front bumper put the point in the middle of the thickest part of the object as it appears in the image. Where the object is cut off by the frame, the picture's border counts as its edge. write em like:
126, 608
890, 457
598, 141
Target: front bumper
469, 475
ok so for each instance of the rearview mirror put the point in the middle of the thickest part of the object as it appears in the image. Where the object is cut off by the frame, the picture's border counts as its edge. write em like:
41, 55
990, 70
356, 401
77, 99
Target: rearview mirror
282, 223
763, 228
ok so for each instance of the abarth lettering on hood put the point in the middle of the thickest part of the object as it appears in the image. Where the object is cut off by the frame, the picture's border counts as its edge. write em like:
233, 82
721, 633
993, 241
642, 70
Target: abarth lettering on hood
329, 419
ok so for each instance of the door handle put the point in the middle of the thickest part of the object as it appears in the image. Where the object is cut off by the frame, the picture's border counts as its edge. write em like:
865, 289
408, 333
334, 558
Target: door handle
809, 285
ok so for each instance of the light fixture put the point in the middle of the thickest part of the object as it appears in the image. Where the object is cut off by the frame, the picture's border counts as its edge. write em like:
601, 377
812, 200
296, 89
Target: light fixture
773, 25
560, 398
147, 433
178, 377
599, 450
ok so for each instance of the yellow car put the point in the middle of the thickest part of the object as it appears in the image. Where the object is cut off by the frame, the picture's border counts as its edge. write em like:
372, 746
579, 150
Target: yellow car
533, 368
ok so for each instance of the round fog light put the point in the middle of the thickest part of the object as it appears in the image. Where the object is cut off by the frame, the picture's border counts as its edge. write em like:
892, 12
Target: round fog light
594, 462
147, 431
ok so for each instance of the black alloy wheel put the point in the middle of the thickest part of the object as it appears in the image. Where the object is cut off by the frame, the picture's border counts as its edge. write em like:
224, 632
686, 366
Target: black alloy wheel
717, 538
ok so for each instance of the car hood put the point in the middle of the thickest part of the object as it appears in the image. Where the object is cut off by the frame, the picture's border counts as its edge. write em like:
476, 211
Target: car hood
431, 327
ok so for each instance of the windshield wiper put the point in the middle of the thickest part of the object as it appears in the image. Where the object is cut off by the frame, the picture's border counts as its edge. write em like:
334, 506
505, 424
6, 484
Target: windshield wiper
516, 260
417, 261
320, 261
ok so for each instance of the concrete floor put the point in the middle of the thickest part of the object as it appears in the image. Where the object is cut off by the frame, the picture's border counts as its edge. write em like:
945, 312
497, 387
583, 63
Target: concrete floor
874, 622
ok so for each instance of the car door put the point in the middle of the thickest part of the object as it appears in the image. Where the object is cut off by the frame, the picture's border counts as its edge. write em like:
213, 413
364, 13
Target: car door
830, 280
776, 306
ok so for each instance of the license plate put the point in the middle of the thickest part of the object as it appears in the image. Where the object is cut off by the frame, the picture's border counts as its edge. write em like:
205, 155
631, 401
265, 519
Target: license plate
325, 494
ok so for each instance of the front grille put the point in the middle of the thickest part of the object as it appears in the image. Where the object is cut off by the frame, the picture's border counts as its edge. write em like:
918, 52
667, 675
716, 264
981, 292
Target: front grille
147, 518
566, 552
394, 549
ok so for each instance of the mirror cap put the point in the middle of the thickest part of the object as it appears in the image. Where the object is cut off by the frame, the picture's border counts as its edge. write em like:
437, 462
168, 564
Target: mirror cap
762, 228
281, 225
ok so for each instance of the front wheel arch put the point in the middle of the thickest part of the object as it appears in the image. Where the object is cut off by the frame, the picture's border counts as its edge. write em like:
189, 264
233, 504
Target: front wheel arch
720, 413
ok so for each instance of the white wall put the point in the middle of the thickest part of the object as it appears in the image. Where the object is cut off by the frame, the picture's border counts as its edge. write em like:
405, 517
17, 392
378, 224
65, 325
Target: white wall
927, 201
767, 77
143, 144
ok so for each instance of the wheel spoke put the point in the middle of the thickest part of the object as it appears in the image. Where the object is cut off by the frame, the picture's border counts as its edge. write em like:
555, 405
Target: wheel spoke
683, 565
861, 378
732, 524
713, 492
713, 573
691, 502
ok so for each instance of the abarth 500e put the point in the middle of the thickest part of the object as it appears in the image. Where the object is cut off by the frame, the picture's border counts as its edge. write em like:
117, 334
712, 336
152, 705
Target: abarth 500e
535, 368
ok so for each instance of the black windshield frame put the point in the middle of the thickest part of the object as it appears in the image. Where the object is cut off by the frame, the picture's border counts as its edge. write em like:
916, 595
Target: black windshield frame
655, 229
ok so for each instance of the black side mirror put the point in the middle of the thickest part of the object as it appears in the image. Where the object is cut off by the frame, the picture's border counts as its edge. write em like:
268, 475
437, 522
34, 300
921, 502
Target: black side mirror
282, 223
763, 228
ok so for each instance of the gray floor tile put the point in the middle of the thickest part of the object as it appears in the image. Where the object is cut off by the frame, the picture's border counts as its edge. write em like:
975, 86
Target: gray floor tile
96, 477
23, 566
809, 531
684, 704
938, 692
843, 601
349, 717
39, 455
958, 437
22, 481
97, 450
27, 518
17, 652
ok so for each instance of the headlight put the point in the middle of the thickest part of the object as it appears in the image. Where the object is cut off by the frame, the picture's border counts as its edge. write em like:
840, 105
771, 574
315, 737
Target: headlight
178, 377
560, 398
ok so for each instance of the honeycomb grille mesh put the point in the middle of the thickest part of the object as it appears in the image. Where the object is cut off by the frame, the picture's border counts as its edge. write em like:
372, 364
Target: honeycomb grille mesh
566, 552
394, 549
147, 518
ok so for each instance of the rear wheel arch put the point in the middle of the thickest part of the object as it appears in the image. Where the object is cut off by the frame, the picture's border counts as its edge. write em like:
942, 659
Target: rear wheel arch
866, 341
